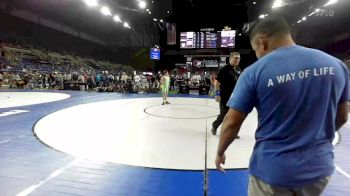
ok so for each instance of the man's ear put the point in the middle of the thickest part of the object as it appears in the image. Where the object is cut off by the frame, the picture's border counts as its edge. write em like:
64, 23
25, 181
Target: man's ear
263, 42
256, 44
266, 44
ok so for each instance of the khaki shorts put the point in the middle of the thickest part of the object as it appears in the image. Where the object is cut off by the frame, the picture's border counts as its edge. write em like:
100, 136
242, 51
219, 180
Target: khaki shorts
259, 188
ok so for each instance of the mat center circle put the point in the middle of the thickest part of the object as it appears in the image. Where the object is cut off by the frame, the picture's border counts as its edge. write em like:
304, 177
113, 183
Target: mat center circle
182, 111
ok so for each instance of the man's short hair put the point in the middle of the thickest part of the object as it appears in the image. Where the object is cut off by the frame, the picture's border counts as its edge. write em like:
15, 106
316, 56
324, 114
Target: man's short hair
235, 54
273, 25
232, 54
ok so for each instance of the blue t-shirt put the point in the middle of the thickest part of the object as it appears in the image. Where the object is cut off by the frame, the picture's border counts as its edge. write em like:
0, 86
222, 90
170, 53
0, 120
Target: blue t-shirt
296, 91
98, 78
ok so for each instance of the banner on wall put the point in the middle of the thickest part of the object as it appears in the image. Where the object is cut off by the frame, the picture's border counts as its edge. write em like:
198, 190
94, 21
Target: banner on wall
210, 63
171, 33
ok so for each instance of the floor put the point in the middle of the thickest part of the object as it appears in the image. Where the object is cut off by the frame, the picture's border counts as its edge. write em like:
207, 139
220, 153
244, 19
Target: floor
87, 143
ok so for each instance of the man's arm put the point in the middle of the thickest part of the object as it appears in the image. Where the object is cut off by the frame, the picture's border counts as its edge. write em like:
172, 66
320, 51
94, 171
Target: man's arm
342, 110
216, 85
230, 128
217, 89
342, 115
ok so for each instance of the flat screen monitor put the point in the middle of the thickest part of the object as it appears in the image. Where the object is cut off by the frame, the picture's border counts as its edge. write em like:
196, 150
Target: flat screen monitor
228, 39
155, 53
220, 39
186, 39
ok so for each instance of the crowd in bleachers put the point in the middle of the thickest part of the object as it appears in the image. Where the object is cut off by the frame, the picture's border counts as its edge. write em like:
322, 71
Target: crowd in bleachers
40, 76
26, 71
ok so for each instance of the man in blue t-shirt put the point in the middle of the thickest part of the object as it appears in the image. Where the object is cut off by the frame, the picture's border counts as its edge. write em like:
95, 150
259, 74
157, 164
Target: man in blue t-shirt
301, 96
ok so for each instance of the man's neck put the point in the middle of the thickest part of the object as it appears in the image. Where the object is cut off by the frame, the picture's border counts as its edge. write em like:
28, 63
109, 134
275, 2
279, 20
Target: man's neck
288, 41
233, 66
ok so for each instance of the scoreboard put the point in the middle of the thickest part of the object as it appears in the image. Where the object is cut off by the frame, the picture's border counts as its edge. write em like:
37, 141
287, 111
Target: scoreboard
220, 39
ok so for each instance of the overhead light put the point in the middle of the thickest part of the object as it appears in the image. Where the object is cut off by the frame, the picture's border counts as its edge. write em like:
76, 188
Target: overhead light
168, 11
142, 4
304, 18
126, 25
161, 20
330, 2
152, 1
147, 10
277, 4
299, 21
317, 10
312, 13
154, 19
262, 16
117, 18
254, 2
239, 34
106, 11
150, 12
91, 3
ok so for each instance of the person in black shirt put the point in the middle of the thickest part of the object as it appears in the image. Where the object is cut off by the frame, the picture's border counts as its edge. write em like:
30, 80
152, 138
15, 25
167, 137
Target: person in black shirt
224, 84
172, 82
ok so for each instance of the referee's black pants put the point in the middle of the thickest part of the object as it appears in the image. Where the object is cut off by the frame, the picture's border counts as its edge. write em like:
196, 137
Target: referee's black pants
223, 110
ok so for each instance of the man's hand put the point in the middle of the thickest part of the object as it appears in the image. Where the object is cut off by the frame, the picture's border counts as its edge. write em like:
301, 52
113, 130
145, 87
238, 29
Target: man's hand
220, 159
229, 131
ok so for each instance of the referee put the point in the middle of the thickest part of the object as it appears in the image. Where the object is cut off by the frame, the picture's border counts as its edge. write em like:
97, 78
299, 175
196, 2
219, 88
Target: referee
224, 84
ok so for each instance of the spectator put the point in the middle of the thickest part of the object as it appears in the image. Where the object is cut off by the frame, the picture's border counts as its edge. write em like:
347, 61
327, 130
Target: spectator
172, 82
1, 78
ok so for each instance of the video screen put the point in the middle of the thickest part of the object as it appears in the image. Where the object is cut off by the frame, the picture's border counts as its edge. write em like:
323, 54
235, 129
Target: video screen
186, 39
228, 39
155, 53
221, 39
211, 40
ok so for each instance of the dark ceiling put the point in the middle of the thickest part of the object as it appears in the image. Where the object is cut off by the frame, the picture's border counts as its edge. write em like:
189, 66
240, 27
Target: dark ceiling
192, 15
196, 14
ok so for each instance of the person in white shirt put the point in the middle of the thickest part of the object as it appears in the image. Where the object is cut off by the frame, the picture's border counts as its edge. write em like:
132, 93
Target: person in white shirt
137, 78
124, 77
198, 78
81, 78
1, 78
